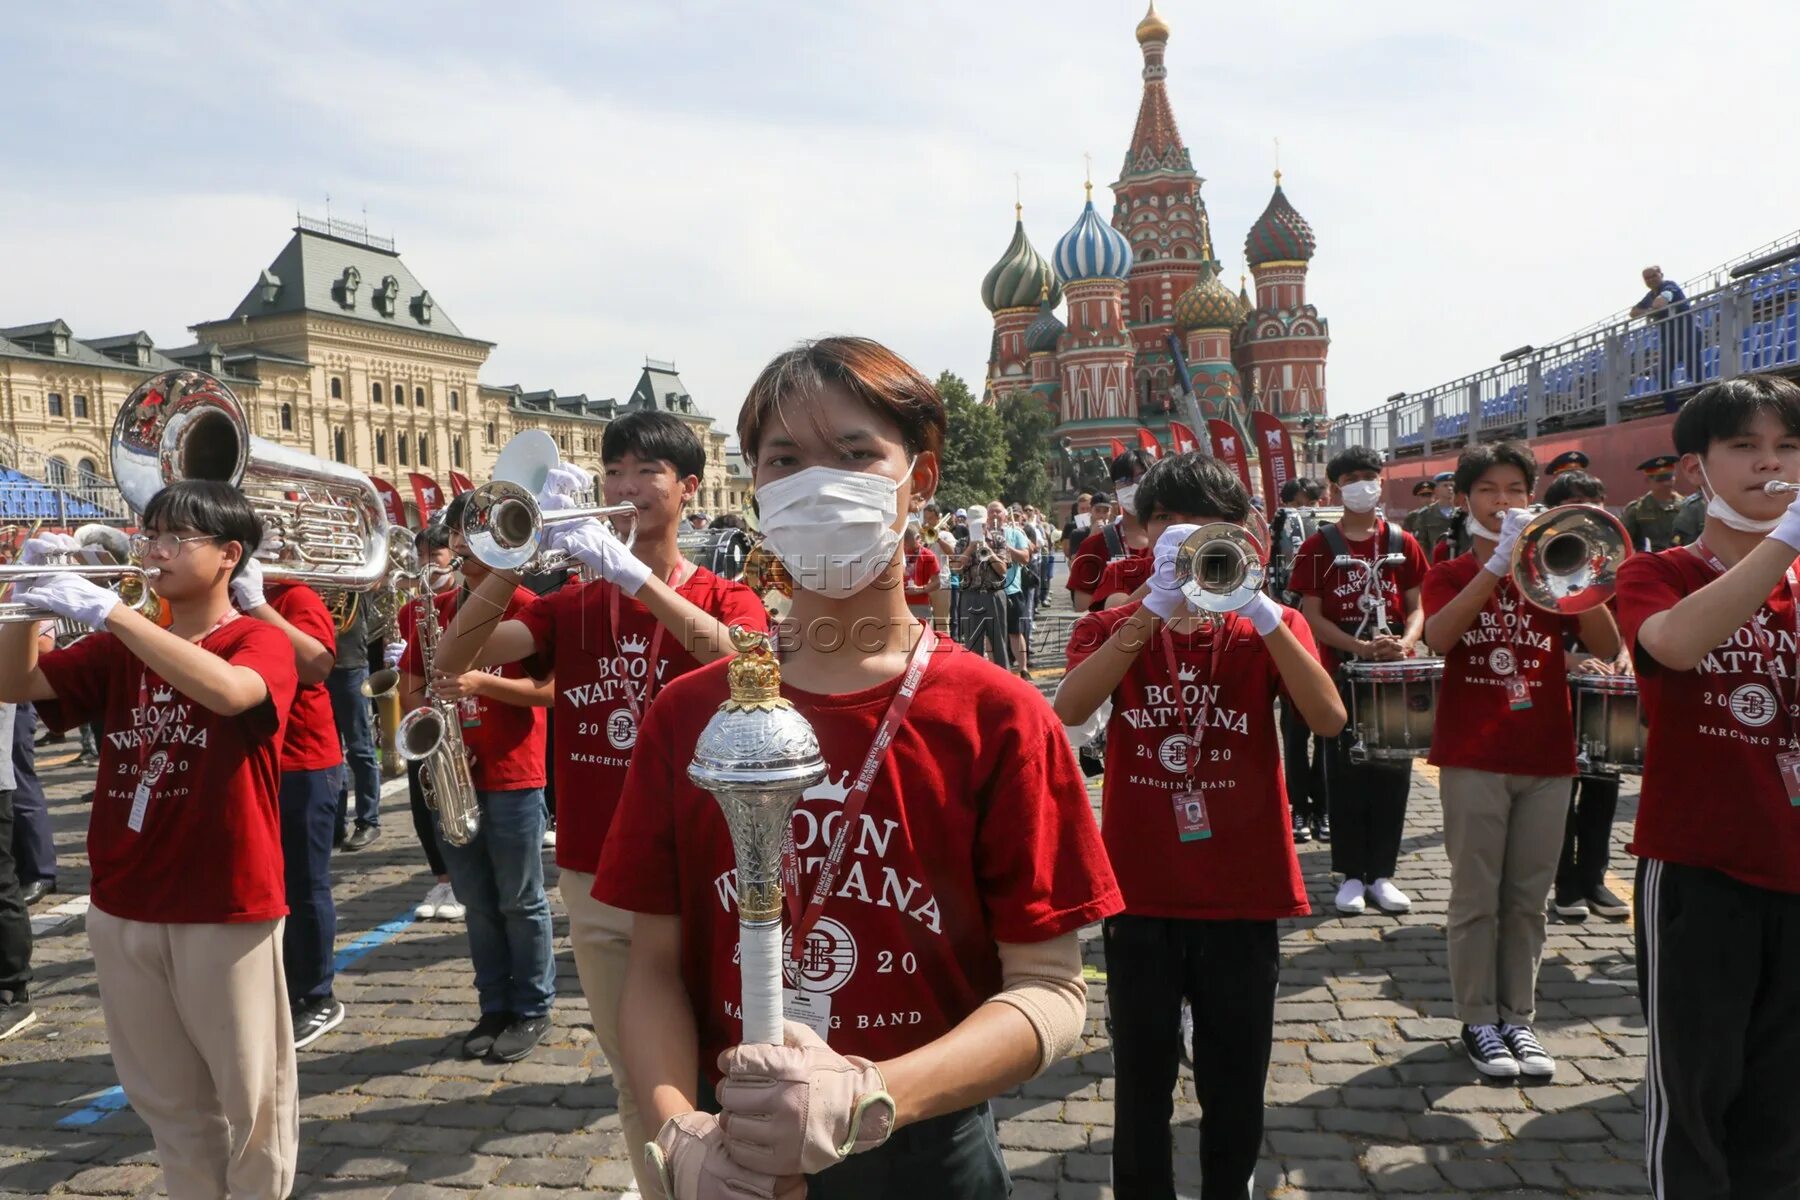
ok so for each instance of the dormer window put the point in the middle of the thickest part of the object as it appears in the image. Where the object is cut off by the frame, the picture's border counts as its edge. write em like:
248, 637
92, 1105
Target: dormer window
269, 286
344, 290
59, 344
387, 295
421, 307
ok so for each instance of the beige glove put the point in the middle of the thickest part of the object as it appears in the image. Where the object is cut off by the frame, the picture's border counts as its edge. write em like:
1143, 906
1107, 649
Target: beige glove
688, 1162
801, 1107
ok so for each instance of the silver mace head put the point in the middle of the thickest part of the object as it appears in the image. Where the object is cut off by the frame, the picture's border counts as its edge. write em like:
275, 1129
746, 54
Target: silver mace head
756, 756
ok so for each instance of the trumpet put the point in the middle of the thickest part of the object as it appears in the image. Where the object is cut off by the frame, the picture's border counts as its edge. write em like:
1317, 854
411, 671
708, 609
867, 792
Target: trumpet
505, 527
94, 543
1780, 487
1567, 558
1220, 567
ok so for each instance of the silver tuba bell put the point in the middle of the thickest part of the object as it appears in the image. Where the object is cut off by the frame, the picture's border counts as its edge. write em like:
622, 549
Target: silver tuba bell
1567, 558
323, 522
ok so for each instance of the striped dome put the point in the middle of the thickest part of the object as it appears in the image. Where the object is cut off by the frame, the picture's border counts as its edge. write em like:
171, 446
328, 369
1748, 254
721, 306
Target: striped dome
1280, 234
1043, 334
1092, 250
1019, 278
1209, 304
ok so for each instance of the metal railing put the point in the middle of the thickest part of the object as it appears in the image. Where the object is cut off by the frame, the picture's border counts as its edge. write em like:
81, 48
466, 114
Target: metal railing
1602, 375
54, 491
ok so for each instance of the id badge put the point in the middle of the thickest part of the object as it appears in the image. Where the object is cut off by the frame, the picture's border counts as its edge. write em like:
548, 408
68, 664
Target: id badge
1191, 821
1518, 695
809, 1009
140, 803
1789, 765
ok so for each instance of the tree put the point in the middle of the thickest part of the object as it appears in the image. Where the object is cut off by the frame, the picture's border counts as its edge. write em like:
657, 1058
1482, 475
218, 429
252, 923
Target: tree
974, 459
1028, 424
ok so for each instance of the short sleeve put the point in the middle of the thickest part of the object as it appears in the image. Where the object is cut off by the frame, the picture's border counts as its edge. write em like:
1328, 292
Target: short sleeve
1647, 585
1302, 631
541, 618
80, 675
1039, 863
1442, 583
1088, 563
1086, 637
1413, 575
639, 869
305, 610
412, 660
1307, 575
741, 606
267, 651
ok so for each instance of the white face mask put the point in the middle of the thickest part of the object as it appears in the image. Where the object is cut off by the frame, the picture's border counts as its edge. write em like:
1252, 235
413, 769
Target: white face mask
1127, 496
1718, 506
1360, 497
833, 530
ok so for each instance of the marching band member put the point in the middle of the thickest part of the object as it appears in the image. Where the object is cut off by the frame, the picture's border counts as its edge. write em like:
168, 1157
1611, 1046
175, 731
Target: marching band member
1196, 824
440, 902
499, 876
1718, 826
1504, 743
310, 756
1372, 613
613, 645
1110, 540
184, 840
939, 965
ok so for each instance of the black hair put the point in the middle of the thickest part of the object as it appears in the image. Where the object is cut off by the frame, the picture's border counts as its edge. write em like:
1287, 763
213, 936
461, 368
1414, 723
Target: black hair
1192, 484
452, 515
656, 436
1130, 465
1290, 489
1574, 487
1477, 459
206, 506
435, 536
1356, 458
728, 521
1725, 409
1312, 486
1100, 498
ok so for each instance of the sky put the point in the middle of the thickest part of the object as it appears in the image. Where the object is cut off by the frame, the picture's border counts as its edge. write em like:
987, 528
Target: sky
592, 183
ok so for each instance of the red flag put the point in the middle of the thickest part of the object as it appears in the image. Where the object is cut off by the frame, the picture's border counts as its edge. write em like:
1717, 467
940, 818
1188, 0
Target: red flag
1118, 447
1186, 440
427, 494
391, 501
1148, 441
459, 483
1229, 448
1276, 448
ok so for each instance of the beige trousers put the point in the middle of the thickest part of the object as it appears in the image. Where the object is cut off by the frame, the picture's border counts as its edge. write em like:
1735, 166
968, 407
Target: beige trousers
600, 936
1503, 834
202, 1038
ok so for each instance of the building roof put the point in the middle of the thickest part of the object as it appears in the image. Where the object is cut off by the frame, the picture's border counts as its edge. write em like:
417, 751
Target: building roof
1092, 249
53, 341
1045, 330
659, 389
1155, 140
1020, 276
1209, 304
1280, 234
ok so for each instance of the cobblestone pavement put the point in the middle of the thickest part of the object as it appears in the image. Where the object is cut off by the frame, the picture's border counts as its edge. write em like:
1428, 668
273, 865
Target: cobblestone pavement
1367, 1092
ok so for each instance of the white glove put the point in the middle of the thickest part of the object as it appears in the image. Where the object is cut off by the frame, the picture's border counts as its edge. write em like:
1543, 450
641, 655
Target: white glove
593, 545
72, 597
1263, 612
1788, 531
45, 548
247, 586
1500, 562
393, 654
1166, 599
567, 482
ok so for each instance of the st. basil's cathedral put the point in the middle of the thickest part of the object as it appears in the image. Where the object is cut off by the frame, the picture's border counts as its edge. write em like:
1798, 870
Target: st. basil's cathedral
1152, 272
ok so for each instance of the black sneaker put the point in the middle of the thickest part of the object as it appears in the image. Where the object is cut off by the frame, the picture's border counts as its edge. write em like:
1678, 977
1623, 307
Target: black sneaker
1489, 1052
480, 1039
1602, 900
1302, 831
518, 1038
1570, 904
364, 835
16, 1013
1322, 828
1532, 1058
313, 1019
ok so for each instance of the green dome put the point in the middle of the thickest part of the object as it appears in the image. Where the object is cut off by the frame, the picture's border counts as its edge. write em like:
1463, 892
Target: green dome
1018, 280
1280, 234
1209, 304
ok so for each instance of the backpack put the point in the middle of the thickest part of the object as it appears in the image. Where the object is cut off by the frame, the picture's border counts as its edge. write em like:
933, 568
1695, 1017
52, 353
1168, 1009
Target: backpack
1115, 541
1339, 545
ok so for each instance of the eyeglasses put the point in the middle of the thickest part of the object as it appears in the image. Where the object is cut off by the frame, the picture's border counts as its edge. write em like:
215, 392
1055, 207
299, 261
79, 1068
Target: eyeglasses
164, 545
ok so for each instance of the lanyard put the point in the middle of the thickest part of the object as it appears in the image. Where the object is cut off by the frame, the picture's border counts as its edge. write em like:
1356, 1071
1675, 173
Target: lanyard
1198, 729
154, 733
1765, 641
636, 703
802, 922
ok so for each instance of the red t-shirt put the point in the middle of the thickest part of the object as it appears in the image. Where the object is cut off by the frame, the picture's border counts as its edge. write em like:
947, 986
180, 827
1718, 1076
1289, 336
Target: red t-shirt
921, 567
1444, 551
1091, 558
1477, 727
1122, 576
505, 741
595, 667
1246, 870
1712, 794
312, 742
1340, 591
977, 830
209, 851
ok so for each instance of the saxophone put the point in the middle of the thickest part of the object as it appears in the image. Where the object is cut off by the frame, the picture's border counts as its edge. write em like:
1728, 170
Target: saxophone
432, 737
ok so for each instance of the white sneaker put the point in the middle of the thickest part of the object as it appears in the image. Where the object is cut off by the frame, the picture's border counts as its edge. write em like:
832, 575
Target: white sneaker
550, 836
1533, 1059
450, 908
1387, 897
428, 907
1350, 898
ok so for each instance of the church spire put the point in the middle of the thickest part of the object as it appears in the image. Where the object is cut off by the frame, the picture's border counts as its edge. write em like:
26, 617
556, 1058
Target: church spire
1155, 142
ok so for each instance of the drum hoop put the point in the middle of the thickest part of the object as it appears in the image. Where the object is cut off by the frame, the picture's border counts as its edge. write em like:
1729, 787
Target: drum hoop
1609, 685
1403, 670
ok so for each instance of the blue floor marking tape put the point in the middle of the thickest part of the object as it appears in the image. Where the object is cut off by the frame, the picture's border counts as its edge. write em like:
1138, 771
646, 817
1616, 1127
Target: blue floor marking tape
99, 1108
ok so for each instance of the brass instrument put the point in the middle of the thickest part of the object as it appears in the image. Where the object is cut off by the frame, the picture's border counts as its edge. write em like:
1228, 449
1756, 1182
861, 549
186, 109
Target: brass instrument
1567, 558
1220, 567
724, 552
503, 523
323, 522
103, 555
343, 607
1779, 487
432, 737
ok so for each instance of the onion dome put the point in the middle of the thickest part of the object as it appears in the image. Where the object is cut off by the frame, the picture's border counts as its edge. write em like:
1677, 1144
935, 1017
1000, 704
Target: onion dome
1152, 28
1280, 234
1092, 249
1043, 334
1209, 304
1018, 279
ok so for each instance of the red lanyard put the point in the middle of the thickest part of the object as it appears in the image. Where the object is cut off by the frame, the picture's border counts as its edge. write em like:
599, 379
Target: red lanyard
637, 704
154, 731
801, 923
1765, 641
1203, 682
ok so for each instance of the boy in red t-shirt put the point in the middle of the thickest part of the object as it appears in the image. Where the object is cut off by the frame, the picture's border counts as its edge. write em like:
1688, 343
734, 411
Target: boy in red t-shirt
1504, 743
310, 756
1195, 821
184, 838
498, 877
944, 967
1369, 611
1110, 540
1713, 631
924, 574
648, 617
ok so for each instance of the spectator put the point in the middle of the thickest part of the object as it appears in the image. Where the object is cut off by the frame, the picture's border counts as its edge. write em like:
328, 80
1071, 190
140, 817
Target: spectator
924, 574
1665, 299
696, 521
981, 566
1080, 518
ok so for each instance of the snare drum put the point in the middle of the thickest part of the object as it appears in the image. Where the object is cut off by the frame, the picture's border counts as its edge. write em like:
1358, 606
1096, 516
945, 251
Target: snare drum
1392, 708
1609, 724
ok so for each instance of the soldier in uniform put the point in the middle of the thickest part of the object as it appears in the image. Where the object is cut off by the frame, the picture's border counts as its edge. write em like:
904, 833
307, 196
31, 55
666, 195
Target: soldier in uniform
1433, 522
1651, 518
1422, 494
1568, 460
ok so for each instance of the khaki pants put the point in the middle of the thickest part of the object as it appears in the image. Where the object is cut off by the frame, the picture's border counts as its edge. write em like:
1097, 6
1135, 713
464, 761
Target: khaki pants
202, 1038
1503, 834
600, 936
